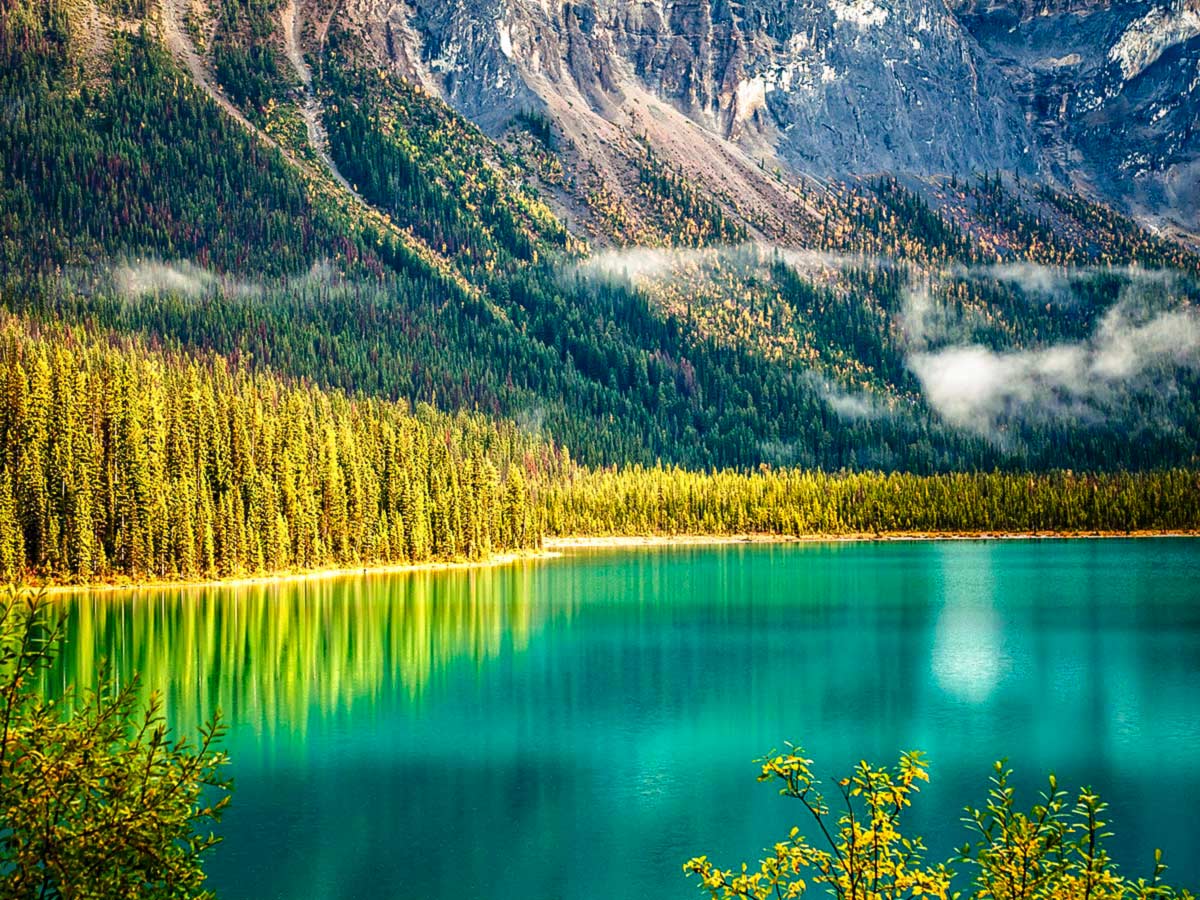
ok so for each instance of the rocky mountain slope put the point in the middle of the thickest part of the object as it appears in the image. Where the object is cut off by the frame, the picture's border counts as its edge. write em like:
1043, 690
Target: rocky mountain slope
244, 177
1095, 96
1113, 90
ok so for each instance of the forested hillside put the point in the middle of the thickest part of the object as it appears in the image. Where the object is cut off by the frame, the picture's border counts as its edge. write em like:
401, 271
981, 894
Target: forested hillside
121, 461
349, 240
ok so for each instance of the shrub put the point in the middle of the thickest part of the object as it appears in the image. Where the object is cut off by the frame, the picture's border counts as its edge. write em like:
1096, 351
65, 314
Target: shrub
96, 799
1054, 852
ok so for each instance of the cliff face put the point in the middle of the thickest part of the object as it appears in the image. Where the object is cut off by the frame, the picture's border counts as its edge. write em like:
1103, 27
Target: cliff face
1113, 90
1101, 95
848, 85
860, 86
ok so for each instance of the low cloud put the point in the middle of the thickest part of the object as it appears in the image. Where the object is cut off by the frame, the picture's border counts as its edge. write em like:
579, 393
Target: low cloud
919, 313
1032, 278
1140, 345
141, 278
137, 279
635, 265
924, 319
1059, 281
531, 420
855, 406
979, 389
852, 406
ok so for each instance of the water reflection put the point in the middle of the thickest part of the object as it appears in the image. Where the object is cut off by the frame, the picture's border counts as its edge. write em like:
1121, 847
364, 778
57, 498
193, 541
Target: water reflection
275, 656
967, 657
580, 727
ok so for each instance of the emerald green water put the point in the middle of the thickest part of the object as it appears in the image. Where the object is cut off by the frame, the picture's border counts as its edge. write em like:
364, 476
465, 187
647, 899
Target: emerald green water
577, 728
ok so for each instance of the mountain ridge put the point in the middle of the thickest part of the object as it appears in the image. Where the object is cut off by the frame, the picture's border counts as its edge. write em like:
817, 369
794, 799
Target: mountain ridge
834, 89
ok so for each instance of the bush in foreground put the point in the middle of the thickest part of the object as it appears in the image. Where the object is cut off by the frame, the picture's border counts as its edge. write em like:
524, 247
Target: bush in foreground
1053, 852
96, 799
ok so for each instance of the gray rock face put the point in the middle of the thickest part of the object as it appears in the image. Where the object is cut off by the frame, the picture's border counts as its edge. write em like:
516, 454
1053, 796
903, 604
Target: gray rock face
1114, 91
834, 87
861, 86
1105, 95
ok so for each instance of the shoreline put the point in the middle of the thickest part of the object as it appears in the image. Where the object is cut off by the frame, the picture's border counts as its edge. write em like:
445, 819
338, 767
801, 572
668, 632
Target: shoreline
558, 547
446, 565
599, 542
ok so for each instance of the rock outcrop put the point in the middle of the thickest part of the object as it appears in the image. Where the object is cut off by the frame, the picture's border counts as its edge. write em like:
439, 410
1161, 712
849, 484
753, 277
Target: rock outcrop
1104, 96
1113, 90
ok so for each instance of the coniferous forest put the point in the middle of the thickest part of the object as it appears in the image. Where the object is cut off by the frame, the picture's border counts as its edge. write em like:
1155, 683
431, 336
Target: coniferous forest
122, 461
217, 362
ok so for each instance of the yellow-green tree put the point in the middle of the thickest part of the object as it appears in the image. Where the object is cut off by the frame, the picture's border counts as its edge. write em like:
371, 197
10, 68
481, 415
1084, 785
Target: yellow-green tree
97, 799
1054, 852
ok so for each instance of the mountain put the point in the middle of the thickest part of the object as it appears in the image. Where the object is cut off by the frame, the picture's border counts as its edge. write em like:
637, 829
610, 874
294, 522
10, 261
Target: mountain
1113, 91
1097, 97
834, 88
297, 189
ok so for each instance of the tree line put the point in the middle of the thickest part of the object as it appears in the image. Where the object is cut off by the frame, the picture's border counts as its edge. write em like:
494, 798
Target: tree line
671, 500
119, 461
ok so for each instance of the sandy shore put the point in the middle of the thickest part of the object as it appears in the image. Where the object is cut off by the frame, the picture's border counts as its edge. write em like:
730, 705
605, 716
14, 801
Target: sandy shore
555, 547
499, 559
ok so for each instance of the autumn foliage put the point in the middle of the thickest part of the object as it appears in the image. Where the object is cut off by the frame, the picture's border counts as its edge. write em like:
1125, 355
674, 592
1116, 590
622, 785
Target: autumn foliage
1053, 852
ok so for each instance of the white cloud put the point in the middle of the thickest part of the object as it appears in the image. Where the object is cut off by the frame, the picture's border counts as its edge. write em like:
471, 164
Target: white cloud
151, 277
977, 388
141, 278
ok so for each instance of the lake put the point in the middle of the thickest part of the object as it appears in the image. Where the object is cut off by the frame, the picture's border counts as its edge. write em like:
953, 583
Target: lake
579, 727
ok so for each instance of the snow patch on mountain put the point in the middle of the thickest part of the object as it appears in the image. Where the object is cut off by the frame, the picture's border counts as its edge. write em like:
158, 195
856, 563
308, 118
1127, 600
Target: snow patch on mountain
1145, 40
863, 13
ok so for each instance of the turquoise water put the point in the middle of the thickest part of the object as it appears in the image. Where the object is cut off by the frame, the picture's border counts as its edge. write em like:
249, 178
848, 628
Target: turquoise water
579, 727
